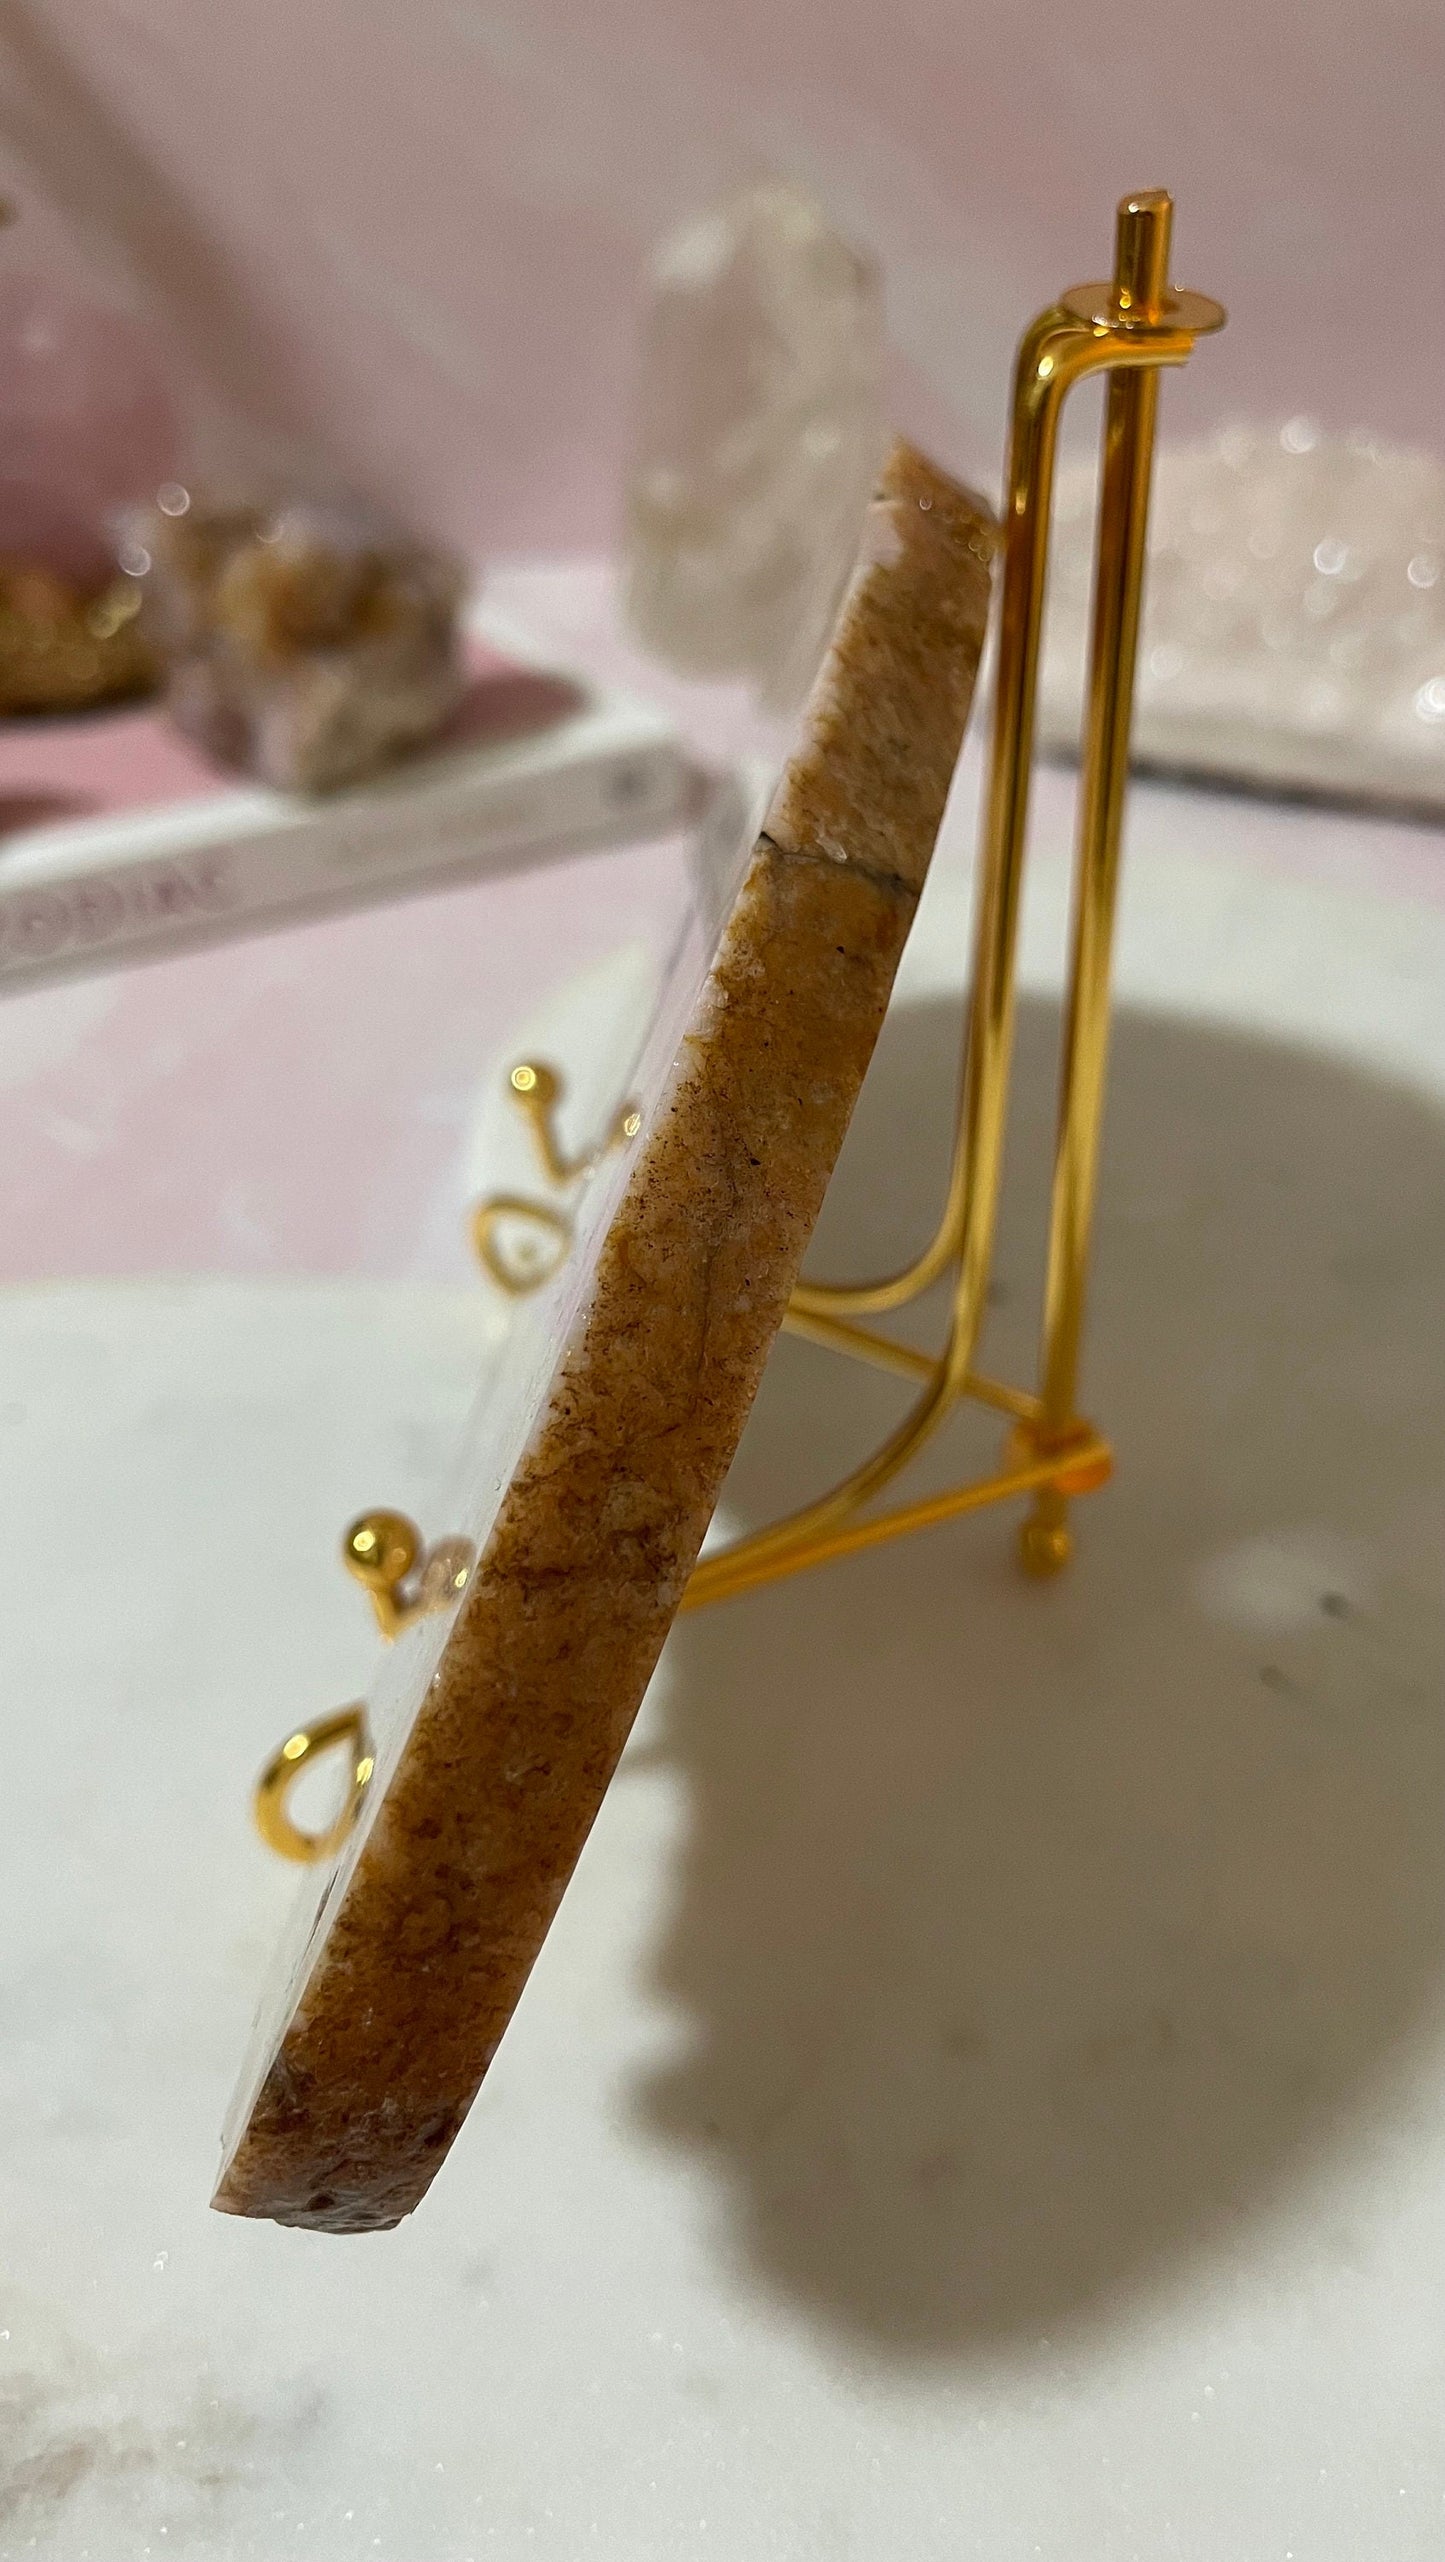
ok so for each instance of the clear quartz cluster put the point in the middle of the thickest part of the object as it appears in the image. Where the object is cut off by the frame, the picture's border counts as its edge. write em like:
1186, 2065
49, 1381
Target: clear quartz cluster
1294, 621
760, 430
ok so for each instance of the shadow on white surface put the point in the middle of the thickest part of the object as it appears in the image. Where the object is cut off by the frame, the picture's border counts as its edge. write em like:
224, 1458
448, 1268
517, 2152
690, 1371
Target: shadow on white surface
1056, 2165
1030, 1940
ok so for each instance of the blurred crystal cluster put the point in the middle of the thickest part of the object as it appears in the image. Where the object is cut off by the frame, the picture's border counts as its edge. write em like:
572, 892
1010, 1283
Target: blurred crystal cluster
307, 645
1294, 623
760, 426
87, 422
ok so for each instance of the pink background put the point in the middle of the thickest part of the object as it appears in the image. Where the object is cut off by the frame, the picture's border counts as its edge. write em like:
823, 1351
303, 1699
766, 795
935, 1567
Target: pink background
406, 241
410, 235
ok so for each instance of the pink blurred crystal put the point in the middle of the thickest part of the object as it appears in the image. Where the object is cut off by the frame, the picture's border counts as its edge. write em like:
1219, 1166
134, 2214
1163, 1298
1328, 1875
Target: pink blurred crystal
87, 424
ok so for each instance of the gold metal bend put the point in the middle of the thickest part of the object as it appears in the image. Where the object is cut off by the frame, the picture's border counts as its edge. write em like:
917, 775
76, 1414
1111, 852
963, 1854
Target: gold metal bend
1057, 352
269, 1803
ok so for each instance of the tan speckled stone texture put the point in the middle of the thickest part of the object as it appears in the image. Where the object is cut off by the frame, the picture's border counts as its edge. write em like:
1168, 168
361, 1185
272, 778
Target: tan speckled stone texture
440, 1921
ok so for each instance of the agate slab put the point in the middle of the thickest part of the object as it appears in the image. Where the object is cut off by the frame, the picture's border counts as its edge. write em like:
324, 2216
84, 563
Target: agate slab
596, 1464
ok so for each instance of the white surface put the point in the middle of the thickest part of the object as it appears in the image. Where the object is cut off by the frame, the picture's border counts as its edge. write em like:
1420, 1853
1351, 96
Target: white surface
985, 2093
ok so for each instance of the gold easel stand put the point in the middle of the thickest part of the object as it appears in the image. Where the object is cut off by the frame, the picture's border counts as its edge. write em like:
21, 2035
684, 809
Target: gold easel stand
1126, 329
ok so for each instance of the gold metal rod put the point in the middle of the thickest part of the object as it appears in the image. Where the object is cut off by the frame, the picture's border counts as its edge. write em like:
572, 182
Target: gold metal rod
1059, 350
1143, 226
1018, 1402
1053, 353
740, 1569
1040, 380
1054, 358
1141, 276
861, 1342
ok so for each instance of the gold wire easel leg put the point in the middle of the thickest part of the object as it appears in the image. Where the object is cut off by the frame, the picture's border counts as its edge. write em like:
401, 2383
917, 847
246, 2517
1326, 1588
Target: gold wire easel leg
1055, 352
1142, 272
1050, 356
1127, 328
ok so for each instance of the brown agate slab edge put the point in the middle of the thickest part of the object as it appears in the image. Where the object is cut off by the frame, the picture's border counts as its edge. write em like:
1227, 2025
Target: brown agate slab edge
501, 1729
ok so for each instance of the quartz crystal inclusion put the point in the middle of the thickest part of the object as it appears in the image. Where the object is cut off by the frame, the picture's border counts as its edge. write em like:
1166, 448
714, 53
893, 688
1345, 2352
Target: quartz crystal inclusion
760, 428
